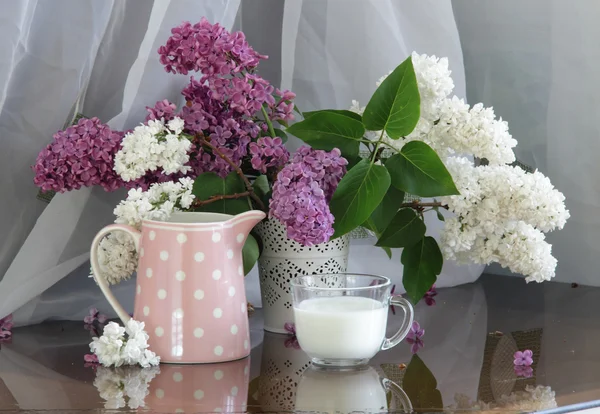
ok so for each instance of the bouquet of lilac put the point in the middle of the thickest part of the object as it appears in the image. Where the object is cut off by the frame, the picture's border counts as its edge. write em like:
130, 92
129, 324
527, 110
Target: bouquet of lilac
222, 151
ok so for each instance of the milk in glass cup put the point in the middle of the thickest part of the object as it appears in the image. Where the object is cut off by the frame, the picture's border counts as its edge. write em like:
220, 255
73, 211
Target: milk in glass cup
341, 318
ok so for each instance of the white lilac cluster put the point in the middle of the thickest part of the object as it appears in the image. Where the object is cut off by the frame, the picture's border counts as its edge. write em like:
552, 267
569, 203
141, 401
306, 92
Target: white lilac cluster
113, 348
151, 146
156, 203
502, 213
124, 386
533, 399
447, 124
117, 256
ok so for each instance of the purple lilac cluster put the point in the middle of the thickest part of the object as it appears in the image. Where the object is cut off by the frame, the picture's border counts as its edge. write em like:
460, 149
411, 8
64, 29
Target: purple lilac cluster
161, 110
6, 325
302, 192
80, 156
268, 153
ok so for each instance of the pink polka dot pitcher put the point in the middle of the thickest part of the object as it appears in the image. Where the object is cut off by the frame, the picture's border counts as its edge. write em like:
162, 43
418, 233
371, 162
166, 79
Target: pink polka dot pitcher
190, 285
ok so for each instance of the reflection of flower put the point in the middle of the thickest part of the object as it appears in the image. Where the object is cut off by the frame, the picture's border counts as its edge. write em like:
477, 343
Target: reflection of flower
95, 315
6, 325
429, 296
524, 371
524, 358
291, 342
414, 337
114, 385
533, 399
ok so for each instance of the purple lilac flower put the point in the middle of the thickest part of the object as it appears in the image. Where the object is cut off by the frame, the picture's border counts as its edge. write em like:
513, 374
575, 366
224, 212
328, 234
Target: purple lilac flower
429, 296
268, 152
91, 360
207, 48
292, 341
161, 110
414, 337
80, 156
523, 371
94, 315
523, 358
6, 325
326, 168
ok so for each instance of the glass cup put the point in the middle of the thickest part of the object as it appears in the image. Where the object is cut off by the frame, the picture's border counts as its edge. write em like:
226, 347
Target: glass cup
341, 318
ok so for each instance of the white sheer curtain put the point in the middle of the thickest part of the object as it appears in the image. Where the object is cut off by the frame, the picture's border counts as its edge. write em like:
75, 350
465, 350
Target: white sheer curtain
537, 63
327, 51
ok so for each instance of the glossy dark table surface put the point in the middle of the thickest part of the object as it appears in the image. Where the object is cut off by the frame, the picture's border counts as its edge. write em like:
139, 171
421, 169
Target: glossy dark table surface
471, 334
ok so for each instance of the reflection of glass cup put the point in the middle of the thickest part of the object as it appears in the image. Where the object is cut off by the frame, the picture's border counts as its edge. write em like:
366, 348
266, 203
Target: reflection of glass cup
347, 391
341, 319
200, 388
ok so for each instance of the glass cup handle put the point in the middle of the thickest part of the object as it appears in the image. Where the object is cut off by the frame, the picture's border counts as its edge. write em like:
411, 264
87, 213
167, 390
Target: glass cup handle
398, 395
409, 315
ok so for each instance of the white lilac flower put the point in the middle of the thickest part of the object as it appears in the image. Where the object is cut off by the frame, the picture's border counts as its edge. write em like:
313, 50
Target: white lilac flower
117, 257
124, 386
152, 146
533, 399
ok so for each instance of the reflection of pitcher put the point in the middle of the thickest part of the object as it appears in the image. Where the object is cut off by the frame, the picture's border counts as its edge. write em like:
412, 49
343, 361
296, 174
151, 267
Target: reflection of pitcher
190, 285
346, 391
281, 367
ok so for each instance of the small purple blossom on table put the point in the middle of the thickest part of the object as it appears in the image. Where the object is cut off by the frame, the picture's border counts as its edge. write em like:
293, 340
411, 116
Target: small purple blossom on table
94, 315
415, 336
523, 358
91, 360
523, 371
291, 342
6, 325
429, 296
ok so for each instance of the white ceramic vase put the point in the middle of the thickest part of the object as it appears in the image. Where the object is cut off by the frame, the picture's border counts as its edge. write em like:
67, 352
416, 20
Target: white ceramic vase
283, 259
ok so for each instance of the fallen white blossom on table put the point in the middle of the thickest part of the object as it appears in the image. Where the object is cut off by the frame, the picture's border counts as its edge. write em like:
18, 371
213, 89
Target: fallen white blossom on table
533, 399
124, 386
124, 346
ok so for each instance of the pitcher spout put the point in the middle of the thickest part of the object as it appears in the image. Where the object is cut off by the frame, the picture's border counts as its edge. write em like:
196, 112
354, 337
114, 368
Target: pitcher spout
244, 222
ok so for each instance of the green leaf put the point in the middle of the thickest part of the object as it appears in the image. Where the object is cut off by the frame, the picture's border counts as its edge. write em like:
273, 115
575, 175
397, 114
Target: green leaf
209, 184
327, 130
382, 215
404, 230
344, 112
420, 386
358, 194
422, 263
418, 170
250, 253
395, 106
262, 189
281, 134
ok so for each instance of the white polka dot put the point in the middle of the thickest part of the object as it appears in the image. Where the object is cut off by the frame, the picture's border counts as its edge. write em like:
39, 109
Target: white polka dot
218, 350
244, 307
162, 294
246, 370
181, 238
178, 313
199, 256
234, 329
160, 393
199, 294
142, 252
148, 272
245, 344
139, 289
177, 377
159, 331
164, 255
180, 275
234, 391
179, 410
219, 374
240, 237
217, 274
177, 350
217, 409
216, 237
217, 313
198, 394
231, 291
146, 311
152, 235
198, 332
230, 254
241, 270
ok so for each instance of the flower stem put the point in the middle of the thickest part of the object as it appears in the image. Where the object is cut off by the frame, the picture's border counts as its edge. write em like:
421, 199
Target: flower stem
416, 205
199, 203
268, 121
237, 169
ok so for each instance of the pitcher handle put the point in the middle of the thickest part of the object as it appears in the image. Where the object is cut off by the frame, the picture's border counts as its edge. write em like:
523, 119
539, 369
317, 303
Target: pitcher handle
409, 315
104, 287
